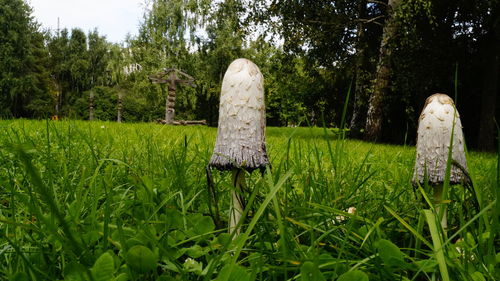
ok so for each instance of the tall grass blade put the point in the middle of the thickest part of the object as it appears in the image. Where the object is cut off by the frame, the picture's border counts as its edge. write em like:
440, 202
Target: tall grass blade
409, 227
437, 243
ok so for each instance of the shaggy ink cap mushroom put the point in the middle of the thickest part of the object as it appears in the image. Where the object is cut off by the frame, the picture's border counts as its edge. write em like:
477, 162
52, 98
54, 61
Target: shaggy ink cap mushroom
242, 119
436, 123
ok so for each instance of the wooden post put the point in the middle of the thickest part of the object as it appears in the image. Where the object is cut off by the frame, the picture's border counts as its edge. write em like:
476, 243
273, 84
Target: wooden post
170, 76
58, 99
91, 106
120, 107
170, 101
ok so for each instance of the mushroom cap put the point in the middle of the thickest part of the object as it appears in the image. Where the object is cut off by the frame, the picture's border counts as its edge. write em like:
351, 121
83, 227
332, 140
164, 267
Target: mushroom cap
241, 140
433, 141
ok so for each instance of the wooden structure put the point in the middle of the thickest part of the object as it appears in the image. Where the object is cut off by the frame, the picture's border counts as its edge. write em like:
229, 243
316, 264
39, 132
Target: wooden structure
172, 77
91, 106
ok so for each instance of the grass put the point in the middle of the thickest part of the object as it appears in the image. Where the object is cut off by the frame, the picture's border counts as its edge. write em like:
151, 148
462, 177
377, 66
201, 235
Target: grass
107, 201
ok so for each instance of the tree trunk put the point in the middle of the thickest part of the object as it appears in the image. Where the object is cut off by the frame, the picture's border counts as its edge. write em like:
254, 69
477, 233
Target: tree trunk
381, 84
120, 107
486, 137
358, 119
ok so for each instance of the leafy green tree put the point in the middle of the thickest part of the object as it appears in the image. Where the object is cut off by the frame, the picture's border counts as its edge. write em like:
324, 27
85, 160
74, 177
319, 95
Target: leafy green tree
336, 40
23, 74
98, 50
57, 46
224, 43
163, 42
489, 41
79, 63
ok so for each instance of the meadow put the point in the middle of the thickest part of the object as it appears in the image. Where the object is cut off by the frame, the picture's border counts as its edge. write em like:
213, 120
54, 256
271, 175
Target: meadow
107, 201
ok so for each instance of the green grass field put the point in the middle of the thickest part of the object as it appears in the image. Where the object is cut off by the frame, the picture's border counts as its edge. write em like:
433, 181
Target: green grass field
107, 201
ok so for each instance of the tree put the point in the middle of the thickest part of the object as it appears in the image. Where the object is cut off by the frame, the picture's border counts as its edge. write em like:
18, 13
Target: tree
381, 85
97, 56
489, 41
362, 77
59, 67
23, 74
115, 68
98, 50
79, 64
334, 38
164, 41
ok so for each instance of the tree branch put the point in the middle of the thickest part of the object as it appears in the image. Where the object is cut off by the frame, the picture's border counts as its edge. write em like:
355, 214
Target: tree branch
372, 20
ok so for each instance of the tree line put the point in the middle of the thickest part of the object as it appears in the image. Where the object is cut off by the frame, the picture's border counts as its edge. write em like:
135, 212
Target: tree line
380, 59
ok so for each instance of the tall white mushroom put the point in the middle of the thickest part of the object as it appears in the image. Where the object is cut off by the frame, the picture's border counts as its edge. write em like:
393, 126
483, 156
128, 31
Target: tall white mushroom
438, 120
240, 143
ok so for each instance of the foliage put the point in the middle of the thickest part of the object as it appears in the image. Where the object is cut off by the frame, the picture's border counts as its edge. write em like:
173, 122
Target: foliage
85, 200
310, 52
23, 73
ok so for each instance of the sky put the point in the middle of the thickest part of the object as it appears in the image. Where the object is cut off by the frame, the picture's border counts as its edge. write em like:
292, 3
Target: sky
112, 18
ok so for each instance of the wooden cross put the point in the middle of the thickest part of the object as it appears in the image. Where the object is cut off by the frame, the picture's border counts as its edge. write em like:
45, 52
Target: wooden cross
172, 77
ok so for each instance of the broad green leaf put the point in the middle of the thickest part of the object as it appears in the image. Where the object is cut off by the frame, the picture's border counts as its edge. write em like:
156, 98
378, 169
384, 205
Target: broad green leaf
355, 275
122, 277
389, 253
327, 262
478, 276
91, 237
202, 224
224, 239
74, 272
310, 272
104, 268
132, 242
174, 218
196, 251
141, 259
233, 272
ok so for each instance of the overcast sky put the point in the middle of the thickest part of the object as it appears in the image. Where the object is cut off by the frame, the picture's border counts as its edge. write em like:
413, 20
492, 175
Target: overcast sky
112, 18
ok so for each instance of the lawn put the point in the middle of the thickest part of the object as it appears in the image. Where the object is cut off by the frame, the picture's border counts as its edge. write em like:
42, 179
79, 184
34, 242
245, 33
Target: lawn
107, 201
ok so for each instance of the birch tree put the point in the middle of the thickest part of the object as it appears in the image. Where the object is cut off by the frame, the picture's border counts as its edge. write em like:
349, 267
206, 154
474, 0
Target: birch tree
381, 85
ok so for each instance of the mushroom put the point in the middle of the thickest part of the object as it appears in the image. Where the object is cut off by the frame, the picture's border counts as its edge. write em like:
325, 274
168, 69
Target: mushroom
240, 144
438, 120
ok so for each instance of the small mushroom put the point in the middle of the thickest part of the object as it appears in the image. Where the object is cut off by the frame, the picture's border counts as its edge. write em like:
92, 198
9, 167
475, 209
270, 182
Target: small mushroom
240, 143
438, 120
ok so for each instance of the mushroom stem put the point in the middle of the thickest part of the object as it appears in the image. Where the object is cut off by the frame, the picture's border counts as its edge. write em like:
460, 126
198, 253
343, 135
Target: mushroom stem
237, 200
441, 208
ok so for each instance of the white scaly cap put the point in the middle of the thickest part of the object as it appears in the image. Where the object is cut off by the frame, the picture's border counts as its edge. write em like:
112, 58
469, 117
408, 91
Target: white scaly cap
241, 140
433, 142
